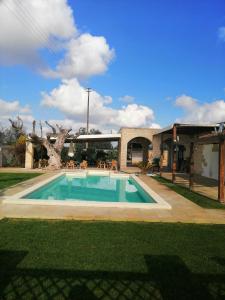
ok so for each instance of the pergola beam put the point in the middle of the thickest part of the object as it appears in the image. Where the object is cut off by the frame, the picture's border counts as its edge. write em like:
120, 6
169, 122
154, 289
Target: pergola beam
221, 171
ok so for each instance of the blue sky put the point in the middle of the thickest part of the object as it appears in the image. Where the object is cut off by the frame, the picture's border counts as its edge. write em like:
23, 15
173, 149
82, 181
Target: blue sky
168, 56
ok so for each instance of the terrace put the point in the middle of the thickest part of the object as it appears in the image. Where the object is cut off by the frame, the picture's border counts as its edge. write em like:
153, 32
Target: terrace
193, 156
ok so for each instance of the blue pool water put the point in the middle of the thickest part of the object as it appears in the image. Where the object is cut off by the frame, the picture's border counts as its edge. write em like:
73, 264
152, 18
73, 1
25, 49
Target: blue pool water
92, 188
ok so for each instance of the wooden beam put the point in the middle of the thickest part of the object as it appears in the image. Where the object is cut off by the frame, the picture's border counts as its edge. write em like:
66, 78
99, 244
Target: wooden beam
174, 154
161, 156
210, 138
221, 171
191, 171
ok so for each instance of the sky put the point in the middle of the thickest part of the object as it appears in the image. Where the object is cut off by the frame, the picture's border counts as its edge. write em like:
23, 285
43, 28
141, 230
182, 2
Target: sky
149, 62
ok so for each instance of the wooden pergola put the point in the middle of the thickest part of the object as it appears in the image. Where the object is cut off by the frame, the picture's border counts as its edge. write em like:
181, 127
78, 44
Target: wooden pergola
212, 138
202, 135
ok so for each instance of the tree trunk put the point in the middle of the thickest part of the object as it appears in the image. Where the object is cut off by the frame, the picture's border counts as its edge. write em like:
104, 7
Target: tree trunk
54, 162
53, 149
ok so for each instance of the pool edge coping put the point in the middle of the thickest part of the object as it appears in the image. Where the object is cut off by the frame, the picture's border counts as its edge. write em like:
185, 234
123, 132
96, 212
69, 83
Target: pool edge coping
17, 198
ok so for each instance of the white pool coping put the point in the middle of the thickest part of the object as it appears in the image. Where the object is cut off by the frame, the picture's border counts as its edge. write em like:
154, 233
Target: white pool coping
17, 198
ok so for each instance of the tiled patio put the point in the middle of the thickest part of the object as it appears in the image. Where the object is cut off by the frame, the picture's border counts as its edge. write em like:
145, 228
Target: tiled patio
202, 185
182, 210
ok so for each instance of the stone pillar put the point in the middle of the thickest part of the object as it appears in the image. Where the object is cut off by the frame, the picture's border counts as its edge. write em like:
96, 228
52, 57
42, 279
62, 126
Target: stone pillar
123, 153
29, 156
123, 156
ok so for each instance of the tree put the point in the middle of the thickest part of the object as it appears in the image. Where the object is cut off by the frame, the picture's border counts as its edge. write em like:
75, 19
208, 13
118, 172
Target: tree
7, 136
17, 126
53, 149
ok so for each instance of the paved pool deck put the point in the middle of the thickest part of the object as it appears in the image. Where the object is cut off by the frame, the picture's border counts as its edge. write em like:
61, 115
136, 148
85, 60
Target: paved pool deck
182, 210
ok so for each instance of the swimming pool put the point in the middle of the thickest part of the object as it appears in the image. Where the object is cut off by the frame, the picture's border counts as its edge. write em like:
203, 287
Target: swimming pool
92, 188
89, 188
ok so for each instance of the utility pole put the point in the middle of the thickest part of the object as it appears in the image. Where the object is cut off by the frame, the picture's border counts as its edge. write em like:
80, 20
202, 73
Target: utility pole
88, 90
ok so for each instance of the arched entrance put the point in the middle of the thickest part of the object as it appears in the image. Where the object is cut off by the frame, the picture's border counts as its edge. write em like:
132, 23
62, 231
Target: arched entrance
138, 149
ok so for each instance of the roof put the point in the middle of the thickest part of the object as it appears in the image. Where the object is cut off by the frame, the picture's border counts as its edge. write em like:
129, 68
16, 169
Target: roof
188, 128
103, 136
111, 137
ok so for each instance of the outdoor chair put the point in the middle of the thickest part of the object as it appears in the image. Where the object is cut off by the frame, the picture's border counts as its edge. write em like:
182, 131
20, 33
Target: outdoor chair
63, 164
84, 164
113, 165
108, 165
102, 164
70, 164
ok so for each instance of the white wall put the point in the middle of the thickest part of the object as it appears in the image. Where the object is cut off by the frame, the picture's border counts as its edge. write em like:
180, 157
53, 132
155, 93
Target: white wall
210, 161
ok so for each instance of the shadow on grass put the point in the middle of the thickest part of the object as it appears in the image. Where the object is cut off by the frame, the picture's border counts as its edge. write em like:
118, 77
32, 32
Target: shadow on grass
167, 278
219, 260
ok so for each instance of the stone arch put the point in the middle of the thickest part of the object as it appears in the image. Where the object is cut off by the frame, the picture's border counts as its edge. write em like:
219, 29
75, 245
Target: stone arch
128, 134
138, 149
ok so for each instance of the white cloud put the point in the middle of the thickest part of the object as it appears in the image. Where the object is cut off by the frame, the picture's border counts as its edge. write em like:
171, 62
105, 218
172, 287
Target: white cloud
155, 125
11, 109
134, 115
185, 102
29, 25
205, 113
71, 99
221, 33
127, 99
86, 55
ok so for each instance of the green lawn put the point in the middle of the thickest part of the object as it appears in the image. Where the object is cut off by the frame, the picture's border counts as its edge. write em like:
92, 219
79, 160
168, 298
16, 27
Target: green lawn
106, 260
9, 179
201, 200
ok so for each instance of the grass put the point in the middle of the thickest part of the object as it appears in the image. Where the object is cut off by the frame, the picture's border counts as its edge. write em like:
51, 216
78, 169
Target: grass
201, 200
9, 179
106, 260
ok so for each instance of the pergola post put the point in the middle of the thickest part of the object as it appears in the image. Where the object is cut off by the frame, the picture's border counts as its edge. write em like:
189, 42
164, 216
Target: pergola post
161, 156
191, 171
174, 154
221, 171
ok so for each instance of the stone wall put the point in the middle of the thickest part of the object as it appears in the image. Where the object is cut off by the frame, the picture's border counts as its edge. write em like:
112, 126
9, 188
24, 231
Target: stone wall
127, 134
7, 156
156, 145
206, 160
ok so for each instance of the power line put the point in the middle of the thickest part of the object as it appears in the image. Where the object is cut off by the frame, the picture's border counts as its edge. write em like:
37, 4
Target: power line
36, 25
29, 25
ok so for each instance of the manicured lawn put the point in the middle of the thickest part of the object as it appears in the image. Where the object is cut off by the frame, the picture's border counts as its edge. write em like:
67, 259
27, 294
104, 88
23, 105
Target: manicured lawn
9, 179
194, 197
106, 260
